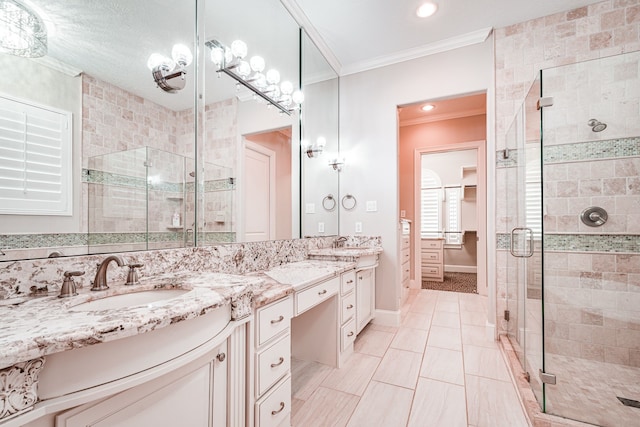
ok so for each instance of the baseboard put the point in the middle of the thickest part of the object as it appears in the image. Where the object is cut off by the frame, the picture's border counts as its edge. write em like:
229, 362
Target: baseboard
461, 269
490, 330
387, 318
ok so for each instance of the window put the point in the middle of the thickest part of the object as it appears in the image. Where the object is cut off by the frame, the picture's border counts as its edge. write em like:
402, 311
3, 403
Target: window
430, 201
35, 159
453, 235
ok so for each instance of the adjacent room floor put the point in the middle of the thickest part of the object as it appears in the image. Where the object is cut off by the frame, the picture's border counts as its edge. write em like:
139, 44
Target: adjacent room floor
437, 369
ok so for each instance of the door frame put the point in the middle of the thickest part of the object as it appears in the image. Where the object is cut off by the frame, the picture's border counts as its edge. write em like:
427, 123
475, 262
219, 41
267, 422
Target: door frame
248, 145
481, 208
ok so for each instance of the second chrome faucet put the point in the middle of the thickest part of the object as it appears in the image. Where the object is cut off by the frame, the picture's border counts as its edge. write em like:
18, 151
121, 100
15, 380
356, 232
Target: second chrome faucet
100, 281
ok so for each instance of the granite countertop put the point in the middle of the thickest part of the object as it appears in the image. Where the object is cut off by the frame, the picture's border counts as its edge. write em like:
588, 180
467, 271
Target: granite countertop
346, 251
44, 325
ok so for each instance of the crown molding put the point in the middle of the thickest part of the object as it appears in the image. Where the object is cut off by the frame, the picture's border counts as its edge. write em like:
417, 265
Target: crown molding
463, 40
58, 65
299, 16
439, 117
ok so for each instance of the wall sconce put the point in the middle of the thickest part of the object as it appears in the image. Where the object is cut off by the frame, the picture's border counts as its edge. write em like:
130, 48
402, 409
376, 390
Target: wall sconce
337, 163
231, 61
314, 150
22, 32
168, 73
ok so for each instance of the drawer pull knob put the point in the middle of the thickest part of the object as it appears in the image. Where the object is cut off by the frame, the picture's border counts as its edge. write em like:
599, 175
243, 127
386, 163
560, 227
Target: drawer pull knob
350, 306
350, 334
280, 362
359, 277
221, 357
279, 410
322, 292
278, 320
349, 281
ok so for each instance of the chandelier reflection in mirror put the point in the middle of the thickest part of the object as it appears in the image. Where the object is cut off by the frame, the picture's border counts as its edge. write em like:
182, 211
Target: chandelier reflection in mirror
22, 32
314, 150
250, 74
169, 73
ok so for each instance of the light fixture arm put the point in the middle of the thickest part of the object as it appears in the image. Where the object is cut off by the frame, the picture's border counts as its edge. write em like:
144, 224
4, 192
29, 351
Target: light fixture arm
252, 88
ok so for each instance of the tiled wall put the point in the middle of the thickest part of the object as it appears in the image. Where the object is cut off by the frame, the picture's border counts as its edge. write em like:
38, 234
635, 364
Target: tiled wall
591, 278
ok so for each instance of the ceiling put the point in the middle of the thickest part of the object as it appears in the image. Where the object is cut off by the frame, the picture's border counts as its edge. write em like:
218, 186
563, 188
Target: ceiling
364, 34
444, 109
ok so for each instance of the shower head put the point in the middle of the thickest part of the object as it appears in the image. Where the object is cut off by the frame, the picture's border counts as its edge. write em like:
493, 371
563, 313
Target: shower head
596, 125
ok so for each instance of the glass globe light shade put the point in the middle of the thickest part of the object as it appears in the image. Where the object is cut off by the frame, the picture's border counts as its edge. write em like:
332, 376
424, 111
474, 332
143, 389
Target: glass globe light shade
228, 56
260, 81
257, 63
182, 55
286, 87
321, 142
239, 49
273, 91
285, 100
244, 69
156, 59
298, 97
273, 76
217, 56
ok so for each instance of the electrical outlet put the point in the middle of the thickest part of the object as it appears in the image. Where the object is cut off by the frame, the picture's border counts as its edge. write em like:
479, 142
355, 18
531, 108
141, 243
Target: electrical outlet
403, 213
372, 205
358, 227
321, 227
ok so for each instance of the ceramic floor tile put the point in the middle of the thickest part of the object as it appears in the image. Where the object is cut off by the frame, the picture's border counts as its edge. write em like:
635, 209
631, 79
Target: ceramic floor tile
422, 306
437, 403
493, 403
354, 376
448, 296
296, 405
373, 342
382, 405
445, 338
446, 319
450, 306
443, 365
470, 302
399, 367
417, 320
383, 328
306, 377
325, 408
410, 339
485, 362
476, 318
477, 335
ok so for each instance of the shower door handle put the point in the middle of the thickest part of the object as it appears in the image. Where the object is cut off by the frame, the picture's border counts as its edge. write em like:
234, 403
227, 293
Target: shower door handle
529, 239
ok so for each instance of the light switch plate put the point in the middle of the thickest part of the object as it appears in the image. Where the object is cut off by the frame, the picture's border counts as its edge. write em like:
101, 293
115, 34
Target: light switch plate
372, 205
310, 208
321, 227
358, 227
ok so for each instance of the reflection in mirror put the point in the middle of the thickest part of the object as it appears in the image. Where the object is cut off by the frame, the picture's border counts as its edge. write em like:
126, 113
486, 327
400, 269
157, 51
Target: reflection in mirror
114, 69
319, 143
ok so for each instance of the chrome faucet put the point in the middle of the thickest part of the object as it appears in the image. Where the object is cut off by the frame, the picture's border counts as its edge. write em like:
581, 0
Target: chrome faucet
100, 281
339, 242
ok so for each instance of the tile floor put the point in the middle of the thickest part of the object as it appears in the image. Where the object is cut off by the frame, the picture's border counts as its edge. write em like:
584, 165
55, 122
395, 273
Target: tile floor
437, 369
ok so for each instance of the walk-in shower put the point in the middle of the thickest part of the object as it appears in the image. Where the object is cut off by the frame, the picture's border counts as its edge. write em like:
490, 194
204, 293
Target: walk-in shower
569, 262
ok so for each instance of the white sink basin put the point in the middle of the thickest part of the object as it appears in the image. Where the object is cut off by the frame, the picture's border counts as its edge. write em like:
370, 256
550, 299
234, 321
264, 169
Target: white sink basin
147, 298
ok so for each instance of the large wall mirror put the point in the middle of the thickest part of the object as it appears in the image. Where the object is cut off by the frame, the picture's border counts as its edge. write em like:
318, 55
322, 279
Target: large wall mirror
166, 151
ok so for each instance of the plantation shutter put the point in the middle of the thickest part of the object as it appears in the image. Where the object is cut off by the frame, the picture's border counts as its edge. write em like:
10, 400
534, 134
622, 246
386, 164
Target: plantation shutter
430, 199
453, 235
35, 159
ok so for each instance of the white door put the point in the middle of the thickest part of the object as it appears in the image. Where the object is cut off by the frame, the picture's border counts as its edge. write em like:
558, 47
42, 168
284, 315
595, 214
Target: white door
259, 193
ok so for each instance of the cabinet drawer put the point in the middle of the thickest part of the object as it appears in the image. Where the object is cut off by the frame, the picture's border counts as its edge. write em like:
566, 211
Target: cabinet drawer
348, 334
275, 408
431, 270
348, 282
431, 256
273, 319
273, 364
405, 242
316, 294
432, 244
405, 255
348, 307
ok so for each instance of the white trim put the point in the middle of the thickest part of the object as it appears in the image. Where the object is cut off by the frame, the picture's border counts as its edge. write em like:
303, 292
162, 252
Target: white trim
387, 317
461, 268
456, 42
490, 243
490, 330
440, 117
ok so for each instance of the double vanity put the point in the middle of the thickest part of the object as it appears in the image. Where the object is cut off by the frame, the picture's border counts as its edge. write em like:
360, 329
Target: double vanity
182, 347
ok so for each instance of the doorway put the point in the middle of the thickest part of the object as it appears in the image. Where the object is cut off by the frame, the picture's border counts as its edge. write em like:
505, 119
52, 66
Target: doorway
456, 230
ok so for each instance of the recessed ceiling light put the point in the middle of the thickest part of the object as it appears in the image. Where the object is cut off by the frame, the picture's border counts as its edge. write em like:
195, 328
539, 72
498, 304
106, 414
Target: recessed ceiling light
428, 107
426, 10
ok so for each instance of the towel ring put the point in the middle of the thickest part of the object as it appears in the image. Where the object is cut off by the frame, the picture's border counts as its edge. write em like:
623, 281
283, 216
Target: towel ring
349, 202
329, 203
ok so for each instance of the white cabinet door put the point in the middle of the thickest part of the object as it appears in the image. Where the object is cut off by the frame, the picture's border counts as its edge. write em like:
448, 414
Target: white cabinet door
365, 297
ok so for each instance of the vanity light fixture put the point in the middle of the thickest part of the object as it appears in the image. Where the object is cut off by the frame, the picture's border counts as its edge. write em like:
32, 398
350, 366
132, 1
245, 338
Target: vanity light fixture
426, 9
250, 74
314, 150
428, 107
22, 31
169, 73
337, 163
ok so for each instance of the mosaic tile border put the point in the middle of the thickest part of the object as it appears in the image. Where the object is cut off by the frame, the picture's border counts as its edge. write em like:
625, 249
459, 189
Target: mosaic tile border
141, 237
93, 176
609, 243
31, 241
593, 150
